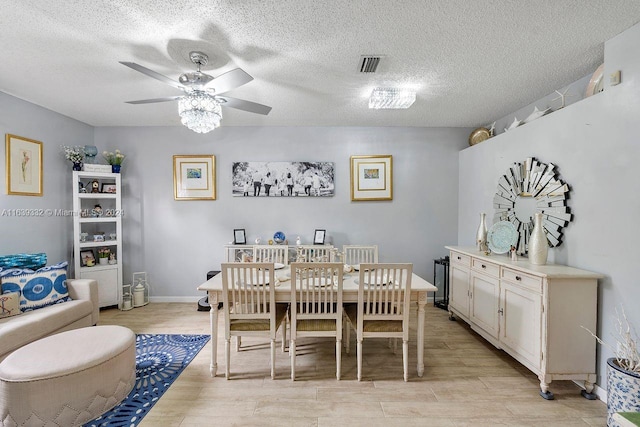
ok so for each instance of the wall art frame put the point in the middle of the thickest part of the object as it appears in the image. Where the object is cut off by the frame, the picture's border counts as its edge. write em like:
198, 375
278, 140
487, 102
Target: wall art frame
239, 236
24, 165
319, 236
283, 179
531, 187
194, 177
371, 178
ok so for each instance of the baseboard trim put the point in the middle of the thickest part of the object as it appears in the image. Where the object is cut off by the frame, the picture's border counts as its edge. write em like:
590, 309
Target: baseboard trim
175, 299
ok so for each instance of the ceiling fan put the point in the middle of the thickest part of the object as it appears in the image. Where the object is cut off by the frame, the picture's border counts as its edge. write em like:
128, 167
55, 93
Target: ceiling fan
199, 107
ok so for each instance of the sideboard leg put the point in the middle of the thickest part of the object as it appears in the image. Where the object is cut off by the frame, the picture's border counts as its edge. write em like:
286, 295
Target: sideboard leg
544, 391
588, 393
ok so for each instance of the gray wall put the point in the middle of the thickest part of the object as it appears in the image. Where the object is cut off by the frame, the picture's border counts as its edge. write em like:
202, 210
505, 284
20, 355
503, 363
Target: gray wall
177, 242
49, 234
595, 145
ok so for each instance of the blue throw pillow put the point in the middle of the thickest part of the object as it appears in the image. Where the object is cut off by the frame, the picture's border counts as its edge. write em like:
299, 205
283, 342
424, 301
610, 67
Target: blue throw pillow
40, 288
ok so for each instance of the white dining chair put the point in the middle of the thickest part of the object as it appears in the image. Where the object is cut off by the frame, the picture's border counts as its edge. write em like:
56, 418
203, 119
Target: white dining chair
384, 294
316, 306
358, 254
314, 253
249, 305
271, 253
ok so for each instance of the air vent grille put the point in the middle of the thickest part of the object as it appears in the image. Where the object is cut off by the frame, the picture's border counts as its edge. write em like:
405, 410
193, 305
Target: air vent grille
369, 63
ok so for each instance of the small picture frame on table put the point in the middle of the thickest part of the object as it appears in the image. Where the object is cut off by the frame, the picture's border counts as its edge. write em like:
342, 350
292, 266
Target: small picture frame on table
108, 188
239, 237
87, 258
318, 237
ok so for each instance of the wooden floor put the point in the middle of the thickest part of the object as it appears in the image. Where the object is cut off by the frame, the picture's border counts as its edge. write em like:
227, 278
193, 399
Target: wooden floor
467, 382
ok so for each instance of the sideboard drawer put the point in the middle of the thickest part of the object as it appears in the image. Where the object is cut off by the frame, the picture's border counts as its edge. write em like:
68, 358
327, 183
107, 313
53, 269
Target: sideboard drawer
532, 282
489, 268
461, 259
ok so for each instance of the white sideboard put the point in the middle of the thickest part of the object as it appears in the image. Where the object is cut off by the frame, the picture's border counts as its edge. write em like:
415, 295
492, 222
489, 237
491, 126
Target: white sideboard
533, 312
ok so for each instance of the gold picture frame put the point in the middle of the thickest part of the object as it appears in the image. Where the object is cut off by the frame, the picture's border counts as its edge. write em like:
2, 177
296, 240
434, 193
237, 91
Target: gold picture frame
194, 177
23, 165
371, 178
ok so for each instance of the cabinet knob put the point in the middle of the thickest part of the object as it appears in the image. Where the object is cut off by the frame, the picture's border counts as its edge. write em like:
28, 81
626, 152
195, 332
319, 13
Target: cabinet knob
518, 278
459, 258
501, 311
484, 266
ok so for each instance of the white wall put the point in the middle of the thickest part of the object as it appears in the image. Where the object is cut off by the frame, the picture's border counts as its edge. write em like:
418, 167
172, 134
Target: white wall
595, 145
49, 234
177, 242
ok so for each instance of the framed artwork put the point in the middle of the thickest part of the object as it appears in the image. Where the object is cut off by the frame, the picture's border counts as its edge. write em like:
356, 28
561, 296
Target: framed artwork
87, 258
24, 166
239, 237
108, 188
371, 178
194, 177
318, 237
283, 179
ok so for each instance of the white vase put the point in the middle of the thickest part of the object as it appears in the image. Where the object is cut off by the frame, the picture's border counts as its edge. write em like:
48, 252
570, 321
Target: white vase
481, 234
103, 261
538, 244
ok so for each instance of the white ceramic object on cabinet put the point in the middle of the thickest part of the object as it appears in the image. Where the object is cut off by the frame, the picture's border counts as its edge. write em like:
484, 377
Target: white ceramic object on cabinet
538, 245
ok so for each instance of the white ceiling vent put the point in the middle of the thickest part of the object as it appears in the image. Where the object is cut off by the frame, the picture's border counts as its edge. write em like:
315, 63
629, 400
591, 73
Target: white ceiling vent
369, 63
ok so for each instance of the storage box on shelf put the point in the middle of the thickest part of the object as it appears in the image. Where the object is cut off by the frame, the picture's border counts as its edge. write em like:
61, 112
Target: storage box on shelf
97, 223
533, 312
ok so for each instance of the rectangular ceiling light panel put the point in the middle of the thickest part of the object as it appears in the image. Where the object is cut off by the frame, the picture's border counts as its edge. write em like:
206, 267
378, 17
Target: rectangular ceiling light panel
391, 98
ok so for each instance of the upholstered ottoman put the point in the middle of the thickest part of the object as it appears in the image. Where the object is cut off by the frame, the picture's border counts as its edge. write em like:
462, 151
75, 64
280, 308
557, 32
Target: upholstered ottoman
69, 378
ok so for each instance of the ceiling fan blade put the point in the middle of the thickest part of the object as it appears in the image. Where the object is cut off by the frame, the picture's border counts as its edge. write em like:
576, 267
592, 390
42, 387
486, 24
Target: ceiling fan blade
229, 80
149, 101
241, 104
153, 74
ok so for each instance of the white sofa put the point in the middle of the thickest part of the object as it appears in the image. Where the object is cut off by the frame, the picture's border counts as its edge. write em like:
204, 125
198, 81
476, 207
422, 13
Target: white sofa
83, 310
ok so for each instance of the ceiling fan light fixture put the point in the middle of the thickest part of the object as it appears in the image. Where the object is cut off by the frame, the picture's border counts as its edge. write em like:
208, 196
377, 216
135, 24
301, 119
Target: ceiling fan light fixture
391, 98
199, 112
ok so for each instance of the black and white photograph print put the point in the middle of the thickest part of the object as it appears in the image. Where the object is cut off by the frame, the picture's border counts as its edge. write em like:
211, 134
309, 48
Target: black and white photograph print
283, 179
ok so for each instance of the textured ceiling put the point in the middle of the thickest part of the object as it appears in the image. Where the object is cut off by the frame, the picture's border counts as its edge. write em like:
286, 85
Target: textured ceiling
470, 61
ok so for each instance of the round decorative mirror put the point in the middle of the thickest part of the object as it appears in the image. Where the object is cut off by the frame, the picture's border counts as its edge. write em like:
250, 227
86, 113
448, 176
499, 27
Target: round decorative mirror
532, 187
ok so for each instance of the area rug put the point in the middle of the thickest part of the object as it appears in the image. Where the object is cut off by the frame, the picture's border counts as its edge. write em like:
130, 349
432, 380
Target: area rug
159, 361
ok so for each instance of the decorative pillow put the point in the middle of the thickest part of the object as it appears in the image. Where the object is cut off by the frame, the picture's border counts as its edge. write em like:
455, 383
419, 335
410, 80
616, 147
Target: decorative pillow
37, 289
10, 304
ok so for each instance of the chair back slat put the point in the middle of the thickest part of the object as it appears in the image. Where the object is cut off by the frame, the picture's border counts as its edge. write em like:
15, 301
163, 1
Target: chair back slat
248, 291
316, 290
271, 253
360, 254
314, 253
384, 291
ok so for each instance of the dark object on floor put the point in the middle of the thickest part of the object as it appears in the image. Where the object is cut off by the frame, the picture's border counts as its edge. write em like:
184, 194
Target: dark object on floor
442, 303
203, 303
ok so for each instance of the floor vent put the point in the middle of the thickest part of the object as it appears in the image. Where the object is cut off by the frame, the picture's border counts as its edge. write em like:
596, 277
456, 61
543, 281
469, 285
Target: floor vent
369, 63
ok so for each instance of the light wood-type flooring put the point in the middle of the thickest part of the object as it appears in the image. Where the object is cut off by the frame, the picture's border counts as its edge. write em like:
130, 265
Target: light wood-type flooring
467, 382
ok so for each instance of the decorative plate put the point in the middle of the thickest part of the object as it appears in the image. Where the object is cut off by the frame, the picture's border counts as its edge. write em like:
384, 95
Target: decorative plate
501, 237
479, 135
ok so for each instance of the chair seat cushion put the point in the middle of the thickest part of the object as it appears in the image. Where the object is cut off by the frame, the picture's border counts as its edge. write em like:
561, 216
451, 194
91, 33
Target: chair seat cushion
372, 325
259, 324
316, 325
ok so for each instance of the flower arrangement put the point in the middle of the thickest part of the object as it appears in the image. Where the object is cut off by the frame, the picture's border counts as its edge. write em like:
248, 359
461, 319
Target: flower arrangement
74, 154
104, 252
627, 353
114, 158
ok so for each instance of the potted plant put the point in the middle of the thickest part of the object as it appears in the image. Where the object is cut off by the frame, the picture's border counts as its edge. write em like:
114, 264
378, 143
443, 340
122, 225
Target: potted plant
115, 159
103, 255
75, 155
623, 370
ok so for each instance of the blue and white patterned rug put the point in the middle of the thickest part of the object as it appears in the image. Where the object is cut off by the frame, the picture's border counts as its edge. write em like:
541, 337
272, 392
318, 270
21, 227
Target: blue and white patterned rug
159, 361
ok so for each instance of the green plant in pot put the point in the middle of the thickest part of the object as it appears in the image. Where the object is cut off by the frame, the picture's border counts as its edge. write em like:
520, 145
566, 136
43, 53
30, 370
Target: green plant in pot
623, 370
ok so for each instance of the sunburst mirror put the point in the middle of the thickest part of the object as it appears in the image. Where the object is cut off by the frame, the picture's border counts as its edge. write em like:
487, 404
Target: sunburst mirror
527, 188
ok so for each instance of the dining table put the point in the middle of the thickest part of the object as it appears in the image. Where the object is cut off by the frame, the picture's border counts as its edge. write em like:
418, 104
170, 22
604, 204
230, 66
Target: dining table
420, 288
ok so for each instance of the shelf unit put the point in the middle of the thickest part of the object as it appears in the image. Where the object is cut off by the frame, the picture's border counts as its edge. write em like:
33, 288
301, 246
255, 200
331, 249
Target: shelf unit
108, 276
